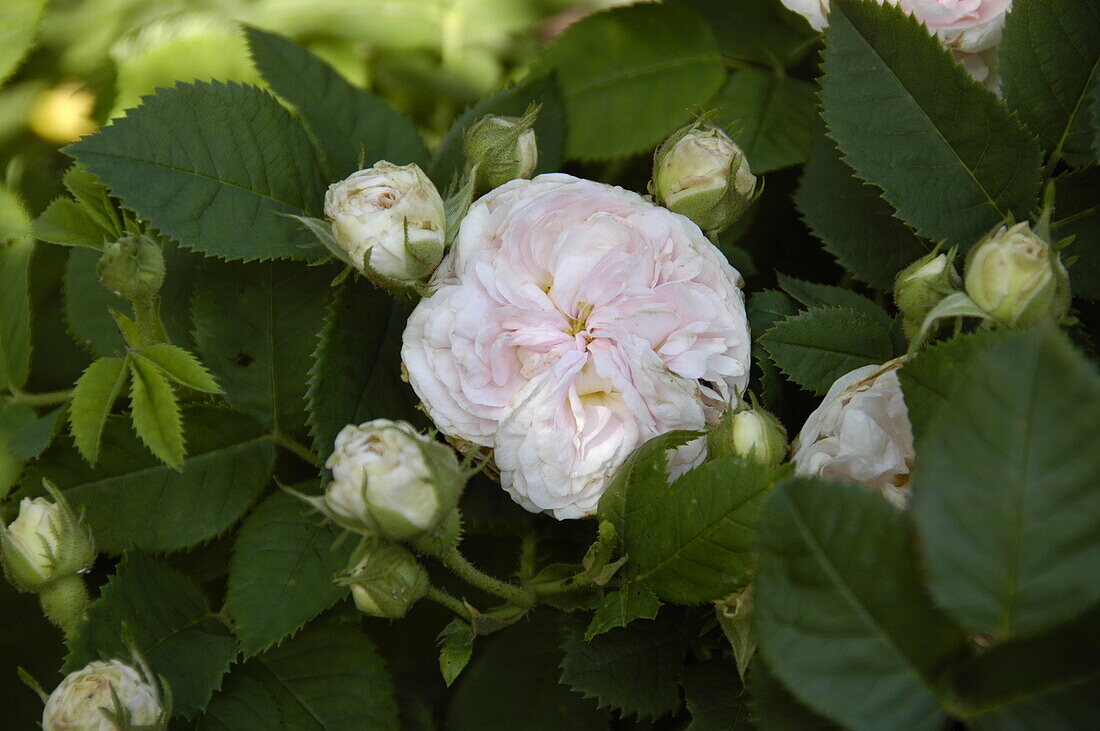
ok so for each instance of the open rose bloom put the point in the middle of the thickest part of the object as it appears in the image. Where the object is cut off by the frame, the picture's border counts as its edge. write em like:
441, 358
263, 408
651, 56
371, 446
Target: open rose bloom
570, 322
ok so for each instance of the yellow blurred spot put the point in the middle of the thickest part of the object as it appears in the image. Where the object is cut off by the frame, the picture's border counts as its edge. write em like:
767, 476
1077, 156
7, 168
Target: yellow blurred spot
62, 114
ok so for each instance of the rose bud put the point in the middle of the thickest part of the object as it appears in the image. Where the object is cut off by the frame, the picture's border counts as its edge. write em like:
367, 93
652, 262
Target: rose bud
389, 221
46, 542
861, 433
105, 696
500, 149
921, 285
1017, 277
388, 480
132, 267
385, 579
752, 433
701, 173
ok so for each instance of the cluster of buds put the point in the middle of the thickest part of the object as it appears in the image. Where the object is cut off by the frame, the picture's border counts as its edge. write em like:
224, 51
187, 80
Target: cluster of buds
107, 696
45, 550
1017, 277
701, 173
499, 149
749, 432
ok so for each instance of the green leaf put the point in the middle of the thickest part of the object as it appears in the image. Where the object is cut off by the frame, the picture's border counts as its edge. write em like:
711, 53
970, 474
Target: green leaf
1077, 214
456, 647
513, 684
634, 669
213, 166
66, 223
132, 499
715, 697
180, 366
1049, 59
852, 220
813, 294
15, 313
767, 307
620, 608
908, 119
31, 439
281, 573
840, 613
327, 677
356, 372
756, 30
156, 412
628, 76
775, 709
354, 129
254, 328
820, 345
449, 159
19, 20
171, 624
13, 418
87, 304
771, 116
94, 199
1005, 496
93, 397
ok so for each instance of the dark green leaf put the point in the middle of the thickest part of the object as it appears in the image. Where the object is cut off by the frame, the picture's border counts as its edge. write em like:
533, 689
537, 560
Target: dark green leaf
1077, 214
156, 412
1049, 59
132, 499
255, 326
354, 129
841, 615
1005, 496
281, 573
910, 120
812, 294
13, 418
756, 30
770, 115
715, 697
820, 345
634, 669
326, 678
172, 627
213, 166
456, 647
93, 397
775, 709
15, 313
767, 307
86, 306
30, 440
620, 608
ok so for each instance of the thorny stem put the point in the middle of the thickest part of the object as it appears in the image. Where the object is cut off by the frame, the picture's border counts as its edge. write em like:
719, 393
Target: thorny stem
456, 562
51, 398
441, 597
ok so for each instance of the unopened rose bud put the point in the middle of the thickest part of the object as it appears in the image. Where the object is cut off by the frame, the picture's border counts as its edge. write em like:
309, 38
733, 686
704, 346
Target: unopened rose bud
701, 173
1017, 277
388, 480
105, 696
132, 267
500, 149
385, 579
389, 221
45, 543
921, 285
752, 433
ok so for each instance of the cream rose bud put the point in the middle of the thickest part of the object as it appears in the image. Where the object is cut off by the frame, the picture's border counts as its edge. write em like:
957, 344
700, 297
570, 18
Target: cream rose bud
389, 480
44, 543
385, 580
1017, 277
503, 149
751, 433
390, 221
104, 696
699, 172
861, 433
921, 285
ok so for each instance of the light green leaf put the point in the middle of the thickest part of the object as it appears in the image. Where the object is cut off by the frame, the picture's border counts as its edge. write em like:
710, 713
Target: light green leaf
13, 418
908, 119
172, 626
813, 294
820, 345
620, 608
255, 328
213, 166
281, 573
852, 220
19, 21
15, 313
131, 499
841, 615
715, 697
327, 677
180, 366
88, 304
770, 115
1049, 60
156, 412
634, 669
66, 223
629, 75
353, 128
94, 199
94, 395
1005, 495
456, 647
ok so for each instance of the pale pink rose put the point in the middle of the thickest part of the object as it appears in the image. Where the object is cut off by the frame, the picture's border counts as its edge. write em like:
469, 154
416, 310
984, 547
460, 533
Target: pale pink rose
861, 433
571, 321
968, 26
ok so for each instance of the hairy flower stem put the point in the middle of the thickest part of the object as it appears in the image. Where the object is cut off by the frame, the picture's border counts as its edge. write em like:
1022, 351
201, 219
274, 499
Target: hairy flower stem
65, 602
51, 398
441, 597
456, 562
